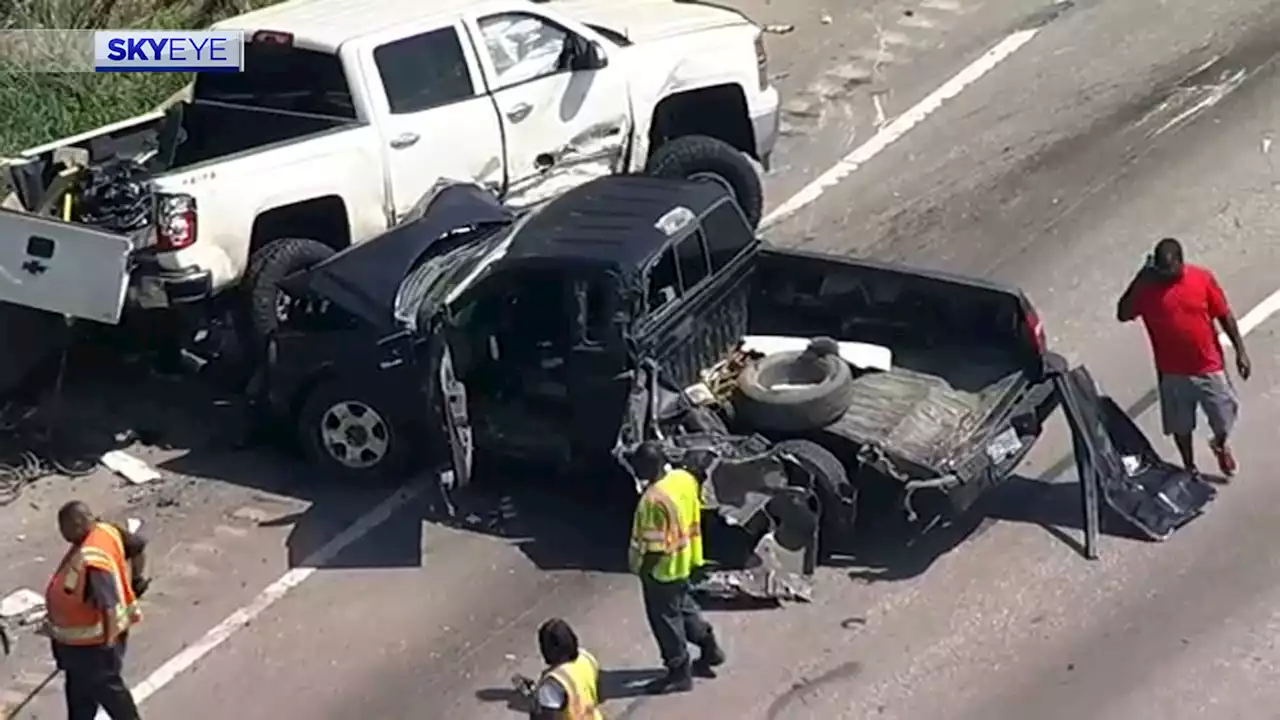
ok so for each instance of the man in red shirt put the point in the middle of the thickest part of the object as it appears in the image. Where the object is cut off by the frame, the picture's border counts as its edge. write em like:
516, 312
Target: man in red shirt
1178, 303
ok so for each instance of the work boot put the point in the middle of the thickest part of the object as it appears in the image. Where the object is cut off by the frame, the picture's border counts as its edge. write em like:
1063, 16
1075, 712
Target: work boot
710, 657
676, 680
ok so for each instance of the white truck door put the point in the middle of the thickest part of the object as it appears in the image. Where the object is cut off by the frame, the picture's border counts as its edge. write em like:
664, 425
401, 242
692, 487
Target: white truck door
453, 394
562, 127
64, 268
436, 120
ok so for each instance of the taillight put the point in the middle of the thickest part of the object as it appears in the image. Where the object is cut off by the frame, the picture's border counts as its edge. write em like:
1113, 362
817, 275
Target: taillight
1035, 329
175, 221
762, 61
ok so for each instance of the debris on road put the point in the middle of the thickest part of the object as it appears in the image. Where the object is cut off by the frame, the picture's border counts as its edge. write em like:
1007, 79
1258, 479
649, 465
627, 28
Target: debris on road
20, 602
825, 19
129, 467
779, 29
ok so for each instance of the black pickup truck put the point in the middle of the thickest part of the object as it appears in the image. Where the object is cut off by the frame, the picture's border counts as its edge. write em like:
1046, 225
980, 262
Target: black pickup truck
623, 310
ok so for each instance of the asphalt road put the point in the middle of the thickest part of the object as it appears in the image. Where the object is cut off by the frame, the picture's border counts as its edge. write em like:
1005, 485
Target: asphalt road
1117, 124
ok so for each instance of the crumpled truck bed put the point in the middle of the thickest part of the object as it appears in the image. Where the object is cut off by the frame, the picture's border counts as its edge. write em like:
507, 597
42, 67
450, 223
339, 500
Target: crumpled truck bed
928, 404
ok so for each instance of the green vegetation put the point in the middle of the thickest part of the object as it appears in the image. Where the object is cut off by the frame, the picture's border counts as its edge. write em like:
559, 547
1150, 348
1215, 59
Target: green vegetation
45, 106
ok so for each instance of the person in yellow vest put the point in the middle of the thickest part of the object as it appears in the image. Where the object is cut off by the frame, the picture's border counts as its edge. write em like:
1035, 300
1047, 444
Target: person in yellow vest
91, 604
569, 687
666, 548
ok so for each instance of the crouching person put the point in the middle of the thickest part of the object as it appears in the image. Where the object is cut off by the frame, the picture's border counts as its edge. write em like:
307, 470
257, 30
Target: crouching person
569, 688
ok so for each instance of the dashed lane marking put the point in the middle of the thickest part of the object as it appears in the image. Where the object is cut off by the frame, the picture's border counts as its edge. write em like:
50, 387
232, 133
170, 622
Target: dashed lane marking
901, 125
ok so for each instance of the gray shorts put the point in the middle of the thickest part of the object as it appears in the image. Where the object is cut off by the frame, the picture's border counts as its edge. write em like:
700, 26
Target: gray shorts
1180, 395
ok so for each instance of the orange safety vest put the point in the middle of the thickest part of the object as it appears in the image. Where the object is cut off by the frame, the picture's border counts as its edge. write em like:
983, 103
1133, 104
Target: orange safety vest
579, 679
668, 521
73, 619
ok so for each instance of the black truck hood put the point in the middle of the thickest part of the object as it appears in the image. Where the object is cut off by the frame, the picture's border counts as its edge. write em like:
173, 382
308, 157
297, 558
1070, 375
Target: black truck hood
364, 278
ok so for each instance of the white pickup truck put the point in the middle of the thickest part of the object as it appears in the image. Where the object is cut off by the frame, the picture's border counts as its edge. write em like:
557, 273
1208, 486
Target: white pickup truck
347, 113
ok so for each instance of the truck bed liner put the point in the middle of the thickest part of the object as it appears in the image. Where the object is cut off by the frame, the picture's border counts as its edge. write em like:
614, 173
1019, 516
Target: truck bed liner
931, 401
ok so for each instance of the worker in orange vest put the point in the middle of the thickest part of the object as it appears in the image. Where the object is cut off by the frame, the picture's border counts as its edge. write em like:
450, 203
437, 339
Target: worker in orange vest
569, 687
666, 549
92, 602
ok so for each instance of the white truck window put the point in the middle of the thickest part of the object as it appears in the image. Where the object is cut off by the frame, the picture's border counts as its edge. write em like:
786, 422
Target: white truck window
424, 71
522, 47
282, 77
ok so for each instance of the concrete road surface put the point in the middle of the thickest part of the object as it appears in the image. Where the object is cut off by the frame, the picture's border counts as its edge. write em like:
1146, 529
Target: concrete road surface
1053, 162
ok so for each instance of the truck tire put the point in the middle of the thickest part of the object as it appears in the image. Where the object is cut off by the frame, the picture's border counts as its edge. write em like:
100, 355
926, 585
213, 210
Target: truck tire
836, 494
263, 308
701, 157
825, 393
351, 434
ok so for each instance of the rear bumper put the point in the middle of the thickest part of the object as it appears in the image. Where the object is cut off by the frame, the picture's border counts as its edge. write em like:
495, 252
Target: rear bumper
152, 287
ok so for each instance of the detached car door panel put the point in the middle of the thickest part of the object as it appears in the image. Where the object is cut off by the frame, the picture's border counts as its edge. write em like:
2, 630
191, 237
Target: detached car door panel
437, 120
60, 267
562, 127
1156, 496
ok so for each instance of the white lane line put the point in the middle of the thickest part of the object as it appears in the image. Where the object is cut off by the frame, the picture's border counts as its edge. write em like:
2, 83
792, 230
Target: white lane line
901, 125
1256, 316
236, 621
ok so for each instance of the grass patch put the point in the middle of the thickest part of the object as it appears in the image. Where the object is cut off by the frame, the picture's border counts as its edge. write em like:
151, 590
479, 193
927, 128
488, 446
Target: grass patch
41, 107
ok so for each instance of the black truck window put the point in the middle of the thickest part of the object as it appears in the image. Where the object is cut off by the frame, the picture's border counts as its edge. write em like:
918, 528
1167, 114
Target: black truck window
727, 234
692, 255
664, 282
424, 71
282, 77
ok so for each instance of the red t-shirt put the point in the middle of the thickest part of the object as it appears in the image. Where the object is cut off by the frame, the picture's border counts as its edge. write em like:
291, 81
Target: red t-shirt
1179, 318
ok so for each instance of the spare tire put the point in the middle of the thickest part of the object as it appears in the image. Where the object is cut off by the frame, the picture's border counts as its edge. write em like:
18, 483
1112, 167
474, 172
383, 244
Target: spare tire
837, 496
822, 390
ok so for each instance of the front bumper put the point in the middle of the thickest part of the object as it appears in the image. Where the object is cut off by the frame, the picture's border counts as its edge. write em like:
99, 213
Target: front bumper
152, 287
765, 123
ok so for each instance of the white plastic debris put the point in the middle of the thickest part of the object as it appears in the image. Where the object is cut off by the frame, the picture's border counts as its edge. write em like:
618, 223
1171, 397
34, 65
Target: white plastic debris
863, 356
20, 602
826, 19
129, 467
133, 525
779, 29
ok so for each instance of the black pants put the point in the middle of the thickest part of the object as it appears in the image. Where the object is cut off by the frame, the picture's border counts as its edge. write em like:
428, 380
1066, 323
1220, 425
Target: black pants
676, 620
92, 680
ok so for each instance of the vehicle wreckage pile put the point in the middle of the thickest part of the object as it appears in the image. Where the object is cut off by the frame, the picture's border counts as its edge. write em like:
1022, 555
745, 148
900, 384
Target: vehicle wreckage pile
635, 308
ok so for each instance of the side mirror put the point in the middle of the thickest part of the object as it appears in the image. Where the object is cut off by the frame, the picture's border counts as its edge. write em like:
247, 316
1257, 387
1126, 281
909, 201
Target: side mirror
586, 55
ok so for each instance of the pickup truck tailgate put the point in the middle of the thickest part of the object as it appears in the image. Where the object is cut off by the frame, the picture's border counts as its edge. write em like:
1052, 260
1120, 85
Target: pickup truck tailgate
63, 268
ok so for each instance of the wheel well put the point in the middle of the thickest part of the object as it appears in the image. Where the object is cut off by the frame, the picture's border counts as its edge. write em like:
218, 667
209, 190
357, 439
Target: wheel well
719, 111
323, 219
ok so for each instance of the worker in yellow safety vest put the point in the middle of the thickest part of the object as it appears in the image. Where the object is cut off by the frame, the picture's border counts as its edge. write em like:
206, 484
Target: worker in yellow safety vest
91, 604
666, 548
569, 687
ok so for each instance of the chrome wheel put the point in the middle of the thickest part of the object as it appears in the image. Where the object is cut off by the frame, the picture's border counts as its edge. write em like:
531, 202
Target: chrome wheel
354, 434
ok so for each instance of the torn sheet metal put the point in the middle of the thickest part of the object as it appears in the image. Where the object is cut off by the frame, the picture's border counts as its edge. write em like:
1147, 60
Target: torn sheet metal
754, 488
1154, 495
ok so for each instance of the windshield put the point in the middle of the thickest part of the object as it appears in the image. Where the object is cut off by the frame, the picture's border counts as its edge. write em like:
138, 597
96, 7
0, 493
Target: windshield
429, 284
282, 77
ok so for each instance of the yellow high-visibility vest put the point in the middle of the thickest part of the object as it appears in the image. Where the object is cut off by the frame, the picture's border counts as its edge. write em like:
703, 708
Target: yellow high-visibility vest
668, 521
579, 679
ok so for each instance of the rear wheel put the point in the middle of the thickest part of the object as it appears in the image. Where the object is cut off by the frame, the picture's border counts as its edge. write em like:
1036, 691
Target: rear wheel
353, 434
708, 159
836, 494
265, 306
